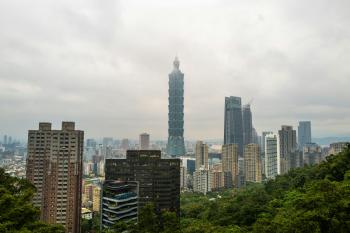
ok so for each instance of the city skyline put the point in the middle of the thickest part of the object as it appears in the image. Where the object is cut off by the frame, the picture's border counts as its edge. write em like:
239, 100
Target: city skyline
92, 62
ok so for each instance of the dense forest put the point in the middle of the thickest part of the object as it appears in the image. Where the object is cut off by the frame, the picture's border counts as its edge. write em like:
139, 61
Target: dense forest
309, 199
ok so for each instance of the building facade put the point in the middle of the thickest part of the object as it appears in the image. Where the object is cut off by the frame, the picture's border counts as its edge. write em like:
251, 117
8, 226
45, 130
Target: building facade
233, 128
304, 134
312, 154
54, 166
159, 179
201, 154
252, 163
229, 160
337, 147
119, 202
144, 141
247, 125
202, 181
176, 145
288, 144
272, 156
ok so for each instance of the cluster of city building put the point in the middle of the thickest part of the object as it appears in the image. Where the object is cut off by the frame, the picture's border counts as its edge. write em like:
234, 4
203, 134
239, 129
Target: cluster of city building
76, 179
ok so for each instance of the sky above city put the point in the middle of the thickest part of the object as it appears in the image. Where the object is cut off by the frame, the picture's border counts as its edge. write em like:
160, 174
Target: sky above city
105, 64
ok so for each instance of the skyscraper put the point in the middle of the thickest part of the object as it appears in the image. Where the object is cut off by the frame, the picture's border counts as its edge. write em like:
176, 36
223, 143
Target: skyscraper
304, 134
252, 163
288, 144
144, 141
247, 125
233, 129
263, 135
229, 160
272, 155
54, 166
201, 155
176, 146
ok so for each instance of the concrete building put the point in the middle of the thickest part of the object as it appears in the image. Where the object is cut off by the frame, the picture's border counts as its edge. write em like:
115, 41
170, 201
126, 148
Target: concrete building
312, 154
202, 179
337, 147
304, 134
272, 156
183, 177
247, 125
233, 125
96, 199
263, 135
201, 154
159, 179
144, 141
54, 166
252, 163
288, 144
217, 177
176, 145
229, 160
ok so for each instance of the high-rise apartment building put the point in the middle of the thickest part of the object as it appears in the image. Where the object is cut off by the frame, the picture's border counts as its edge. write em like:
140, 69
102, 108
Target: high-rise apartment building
337, 147
263, 135
272, 156
159, 179
247, 125
217, 177
288, 144
54, 166
233, 128
252, 163
202, 181
176, 145
304, 134
229, 160
201, 155
144, 141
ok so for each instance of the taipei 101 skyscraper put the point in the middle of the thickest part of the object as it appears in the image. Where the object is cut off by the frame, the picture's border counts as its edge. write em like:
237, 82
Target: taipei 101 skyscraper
176, 146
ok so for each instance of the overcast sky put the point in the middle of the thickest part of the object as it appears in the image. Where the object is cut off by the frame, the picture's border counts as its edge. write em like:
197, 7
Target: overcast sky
105, 64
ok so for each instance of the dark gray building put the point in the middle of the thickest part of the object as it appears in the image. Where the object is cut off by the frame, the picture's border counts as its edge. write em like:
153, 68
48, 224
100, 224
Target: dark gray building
233, 128
288, 144
304, 134
176, 146
159, 179
247, 125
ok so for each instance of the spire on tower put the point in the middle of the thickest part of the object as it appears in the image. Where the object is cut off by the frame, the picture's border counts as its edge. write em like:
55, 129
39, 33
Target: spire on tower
176, 63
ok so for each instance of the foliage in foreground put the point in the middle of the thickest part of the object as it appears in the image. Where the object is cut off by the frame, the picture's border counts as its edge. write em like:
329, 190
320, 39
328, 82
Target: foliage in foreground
17, 214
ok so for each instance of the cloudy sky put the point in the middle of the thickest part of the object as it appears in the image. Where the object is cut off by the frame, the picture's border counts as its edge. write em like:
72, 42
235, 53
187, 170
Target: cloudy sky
105, 64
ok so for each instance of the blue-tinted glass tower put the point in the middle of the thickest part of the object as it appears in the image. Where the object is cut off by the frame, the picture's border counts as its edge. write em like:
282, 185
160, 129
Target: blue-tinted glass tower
176, 145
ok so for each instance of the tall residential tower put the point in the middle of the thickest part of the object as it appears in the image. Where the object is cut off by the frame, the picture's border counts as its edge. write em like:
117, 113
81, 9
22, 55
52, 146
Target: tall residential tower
176, 146
54, 166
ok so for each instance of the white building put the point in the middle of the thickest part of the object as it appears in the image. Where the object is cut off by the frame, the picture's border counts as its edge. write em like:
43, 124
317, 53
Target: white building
202, 179
272, 156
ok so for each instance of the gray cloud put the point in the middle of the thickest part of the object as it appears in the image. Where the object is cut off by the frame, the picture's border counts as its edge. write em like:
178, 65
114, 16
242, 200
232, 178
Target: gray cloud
104, 64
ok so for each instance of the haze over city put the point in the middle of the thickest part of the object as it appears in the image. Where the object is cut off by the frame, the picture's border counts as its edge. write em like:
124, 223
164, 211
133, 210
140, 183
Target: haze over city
105, 64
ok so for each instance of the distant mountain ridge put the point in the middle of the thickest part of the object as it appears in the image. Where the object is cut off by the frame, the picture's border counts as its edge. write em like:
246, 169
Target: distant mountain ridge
328, 140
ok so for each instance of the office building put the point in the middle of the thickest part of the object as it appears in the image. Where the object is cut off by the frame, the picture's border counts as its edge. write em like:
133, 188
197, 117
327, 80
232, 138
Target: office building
201, 155
272, 156
159, 179
144, 141
119, 202
176, 145
304, 134
247, 125
263, 135
54, 166
252, 163
233, 128
288, 144
229, 160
